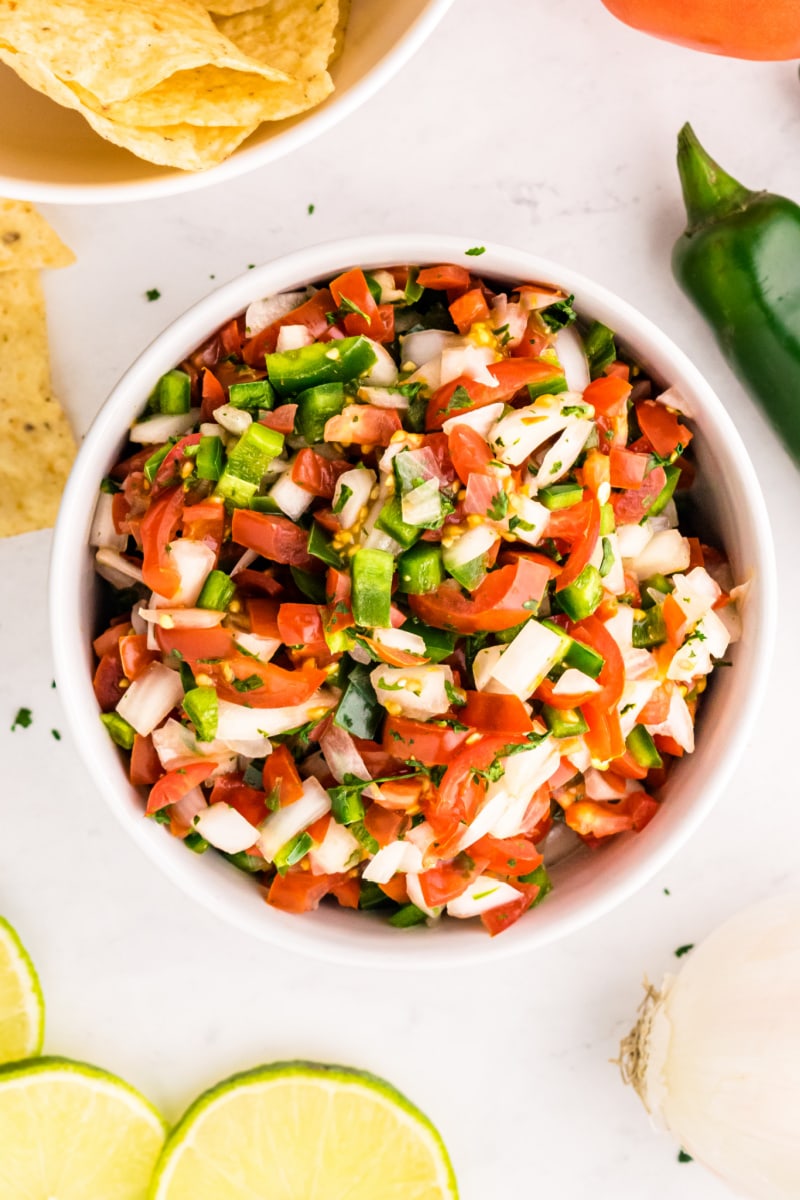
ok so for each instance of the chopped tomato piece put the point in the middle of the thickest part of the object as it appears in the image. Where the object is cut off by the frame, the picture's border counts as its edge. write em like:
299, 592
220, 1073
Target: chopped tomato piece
604, 737
668, 745
425, 741
468, 308
512, 374
299, 891
205, 522
313, 314
507, 856
300, 623
593, 633
631, 506
281, 419
602, 819
385, 824
627, 470
168, 472
396, 889
196, 643
250, 802
263, 583
176, 783
491, 713
458, 797
445, 278
108, 679
159, 526
110, 638
363, 424
584, 546
662, 428
281, 776
316, 474
351, 292
657, 708
347, 891
135, 656
449, 880
247, 681
609, 397
504, 599
213, 395
145, 766
402, 794
277, 538
497, 920
469, 452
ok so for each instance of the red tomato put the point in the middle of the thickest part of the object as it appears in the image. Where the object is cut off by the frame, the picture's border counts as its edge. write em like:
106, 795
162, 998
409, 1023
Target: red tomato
482, 492
469, 452
176, 783
506, 856
430, 744
107, 680
299, 891
277, 538
602, 819
609, 396
492, 713
561, 700
385, 824
604, 737
135, 656
662, 428
337, 586
394, 658
631, 506
627, 766
281, 419
510, 554
668, 745
231, 337
145, 765
168, 472
133, 465
347, 891
626, 469
439, 446
569, 524
583, 548
363, 424
263, 615
497, 920
469, 308
498, 603
300, 623
595, 471
261, 685
449, 880
205, 522
248, 801
263, 583
110, 638
313, 314
593, 633
445, 278
657, 708
351, 290
461, 791
402, 794
159, 526
196, 643
213, 393
396, 889
512, 374
281, 775
316, 474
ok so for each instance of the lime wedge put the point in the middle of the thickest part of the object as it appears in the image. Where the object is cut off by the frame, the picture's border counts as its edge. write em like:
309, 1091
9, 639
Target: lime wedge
300, 1131
71, 1132
21, 1001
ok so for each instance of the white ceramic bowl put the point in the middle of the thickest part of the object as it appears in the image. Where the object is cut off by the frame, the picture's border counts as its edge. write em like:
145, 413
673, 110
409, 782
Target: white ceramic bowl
586, 885
49, 153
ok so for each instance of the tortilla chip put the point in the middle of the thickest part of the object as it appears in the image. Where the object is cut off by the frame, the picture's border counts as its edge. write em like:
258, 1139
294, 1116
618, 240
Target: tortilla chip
27, 241
187, 147
38, 446
229, 8
340, 31
298, 37
117, 50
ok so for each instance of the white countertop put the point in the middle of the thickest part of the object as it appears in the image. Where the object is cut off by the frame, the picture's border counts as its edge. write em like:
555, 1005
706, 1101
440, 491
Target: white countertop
550, 127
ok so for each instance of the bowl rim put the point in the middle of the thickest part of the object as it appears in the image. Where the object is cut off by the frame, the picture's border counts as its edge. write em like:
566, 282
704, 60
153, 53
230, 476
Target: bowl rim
124, 401
173, 181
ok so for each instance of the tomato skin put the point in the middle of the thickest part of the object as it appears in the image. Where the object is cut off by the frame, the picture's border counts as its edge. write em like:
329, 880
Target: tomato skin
159, 526
626, 468
109, 639
512, 374
196, 643
396, 889
205, 522
263, 583
459, 796
583, 548
174, 785
402, 795
662, 428
432, 745
497, 604
468, 308
668, 745
600, 819
145, 765
593, 633
507, 856
280, 774
469, 452
213, 395
249, 802
348, 891
278, 688
363, 424
497, 920
316, 474
281, 419
135, 656
299, 624
337, 586
631, 506
604, 737
107, 679
563, 700
312, 314
277, 538
495, 713
385, 824
449, 880
445, 278
299, 891
352, 286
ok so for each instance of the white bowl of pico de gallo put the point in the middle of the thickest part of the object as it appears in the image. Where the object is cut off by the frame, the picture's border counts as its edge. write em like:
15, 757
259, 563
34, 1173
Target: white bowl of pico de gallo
406, 597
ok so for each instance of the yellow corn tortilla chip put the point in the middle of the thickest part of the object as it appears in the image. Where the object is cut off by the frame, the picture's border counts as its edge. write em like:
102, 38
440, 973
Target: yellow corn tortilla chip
36, 440
298, 37
27, 241
117, 50
229, 8
187, 147
340, 31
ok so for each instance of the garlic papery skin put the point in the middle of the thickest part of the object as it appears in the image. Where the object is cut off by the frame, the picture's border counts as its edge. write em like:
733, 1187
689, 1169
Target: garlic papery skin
715, 1055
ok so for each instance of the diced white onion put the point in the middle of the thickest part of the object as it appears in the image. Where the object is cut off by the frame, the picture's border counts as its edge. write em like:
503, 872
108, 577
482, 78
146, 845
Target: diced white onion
263, 648
360, 481
151, 697
291, 337
402, 856
573, 681
417, 691
571, 355
632, 540
336, 853
469, 360
383, 372
163, 426
696, 655
182, 618
290, 497
414, 889
287, 822
383, 397
389, 293
341, 754
678, 724
614, 579
483, 666
237, 721
235, 420
398, 639
528, 658
479, 419
561, 456
695, 593
524, 774
482, 895
225, 828
116, 569
520, 432
423, 504
244, 562
665, 553
102, 531
424, 345
674, 398
183, 812
210, 429
533, 519
262, 313
193, 561
469, 546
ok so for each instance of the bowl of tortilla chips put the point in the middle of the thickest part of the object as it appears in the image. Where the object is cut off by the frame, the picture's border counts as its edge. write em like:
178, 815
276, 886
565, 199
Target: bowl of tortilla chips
119, 101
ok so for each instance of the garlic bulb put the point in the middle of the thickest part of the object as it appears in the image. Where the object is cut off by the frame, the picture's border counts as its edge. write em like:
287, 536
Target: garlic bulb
715, 1055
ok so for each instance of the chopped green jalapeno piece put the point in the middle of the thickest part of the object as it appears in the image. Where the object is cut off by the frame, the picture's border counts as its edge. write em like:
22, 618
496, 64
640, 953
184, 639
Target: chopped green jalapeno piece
607, 561
347, 804
372, 572
407, 916
439, 643
320, 546
217, 591
247, 463
323, 362
173, 392
643, 748
202, 708
663, 498
420, 569
210, 458
651, 630
390, 520
414, 290
599, 348
358, 711
608, 522
119, 730
560, 495
372, 897
291, 853
581, 598
252, 394
155, 460
564, 722
542, 880
315, 407
552, 385
582, 658
656, 583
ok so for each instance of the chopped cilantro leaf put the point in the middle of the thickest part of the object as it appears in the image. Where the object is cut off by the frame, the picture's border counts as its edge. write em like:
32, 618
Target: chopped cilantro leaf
345, 493
153, 294
558, 316
311, 208
499, 506
23, 719
679, 953
349, 306
248, 684
56, 734
474, 251
459, 399
684, 1157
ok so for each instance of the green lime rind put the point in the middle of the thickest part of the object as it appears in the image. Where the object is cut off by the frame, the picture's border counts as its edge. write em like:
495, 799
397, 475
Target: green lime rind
302, 1069
29, 981
56, 1065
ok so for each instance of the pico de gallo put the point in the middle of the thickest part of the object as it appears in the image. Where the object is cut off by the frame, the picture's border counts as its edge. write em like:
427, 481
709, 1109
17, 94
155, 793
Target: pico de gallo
399, 609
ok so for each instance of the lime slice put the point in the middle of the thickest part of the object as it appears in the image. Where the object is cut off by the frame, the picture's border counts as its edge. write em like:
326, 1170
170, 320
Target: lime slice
300, 1131
21, 1001
70, 1132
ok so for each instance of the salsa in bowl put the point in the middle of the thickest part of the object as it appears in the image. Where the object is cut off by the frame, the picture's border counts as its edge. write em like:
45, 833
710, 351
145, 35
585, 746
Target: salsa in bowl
405, 607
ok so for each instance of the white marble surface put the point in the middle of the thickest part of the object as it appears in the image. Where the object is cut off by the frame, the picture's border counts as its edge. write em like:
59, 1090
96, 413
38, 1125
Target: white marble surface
546, 126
